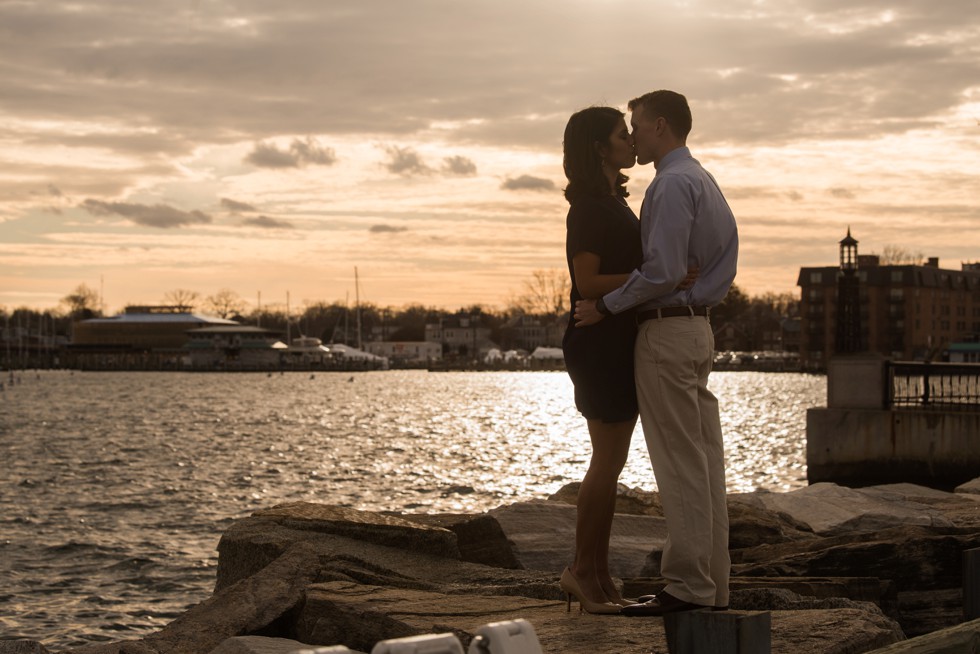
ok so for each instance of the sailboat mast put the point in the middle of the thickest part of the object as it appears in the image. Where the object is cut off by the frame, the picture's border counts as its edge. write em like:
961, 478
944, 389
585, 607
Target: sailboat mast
357, 301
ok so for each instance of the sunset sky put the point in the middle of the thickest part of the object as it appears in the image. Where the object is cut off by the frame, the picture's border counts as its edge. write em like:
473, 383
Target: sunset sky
271, 147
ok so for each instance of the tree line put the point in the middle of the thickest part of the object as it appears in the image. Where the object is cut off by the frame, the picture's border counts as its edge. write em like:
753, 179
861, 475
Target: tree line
543, 297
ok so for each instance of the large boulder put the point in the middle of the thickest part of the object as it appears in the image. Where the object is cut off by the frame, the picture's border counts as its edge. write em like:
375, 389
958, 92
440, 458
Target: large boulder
324, 575
829, 510
959, 639
751, 523
270, 532
969, 488
370, 614
479, 537
542, 534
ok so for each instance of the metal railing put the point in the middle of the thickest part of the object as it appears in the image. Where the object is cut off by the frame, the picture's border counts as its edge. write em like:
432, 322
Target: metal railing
932, 385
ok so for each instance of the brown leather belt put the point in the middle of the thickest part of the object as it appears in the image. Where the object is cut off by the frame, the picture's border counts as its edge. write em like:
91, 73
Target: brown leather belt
671, 312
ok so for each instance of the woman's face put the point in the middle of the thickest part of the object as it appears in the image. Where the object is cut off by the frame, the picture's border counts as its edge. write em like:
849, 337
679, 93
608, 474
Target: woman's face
618, 151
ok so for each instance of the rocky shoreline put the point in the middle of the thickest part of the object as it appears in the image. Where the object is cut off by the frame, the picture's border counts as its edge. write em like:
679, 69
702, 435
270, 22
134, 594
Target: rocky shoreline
842, 571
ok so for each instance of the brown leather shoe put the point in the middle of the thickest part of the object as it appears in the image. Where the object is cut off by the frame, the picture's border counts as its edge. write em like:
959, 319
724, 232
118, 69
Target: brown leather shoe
661, 604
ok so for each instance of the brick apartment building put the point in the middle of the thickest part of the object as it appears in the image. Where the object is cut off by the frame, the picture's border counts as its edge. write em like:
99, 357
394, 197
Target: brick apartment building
908, 312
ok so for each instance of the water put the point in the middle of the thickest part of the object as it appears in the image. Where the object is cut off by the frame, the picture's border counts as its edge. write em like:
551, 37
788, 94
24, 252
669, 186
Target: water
116, 487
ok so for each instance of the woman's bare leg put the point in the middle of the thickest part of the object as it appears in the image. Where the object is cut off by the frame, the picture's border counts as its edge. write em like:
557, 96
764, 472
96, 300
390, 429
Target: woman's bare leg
596, 504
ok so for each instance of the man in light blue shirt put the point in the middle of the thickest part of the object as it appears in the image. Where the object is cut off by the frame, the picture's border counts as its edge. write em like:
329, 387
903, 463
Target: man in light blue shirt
685, 222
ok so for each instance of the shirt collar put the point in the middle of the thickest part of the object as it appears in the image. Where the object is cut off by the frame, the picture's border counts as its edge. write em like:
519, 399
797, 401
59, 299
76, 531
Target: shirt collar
675, 155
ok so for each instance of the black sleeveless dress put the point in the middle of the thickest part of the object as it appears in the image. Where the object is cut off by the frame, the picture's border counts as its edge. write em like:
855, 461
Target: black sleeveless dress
599, 358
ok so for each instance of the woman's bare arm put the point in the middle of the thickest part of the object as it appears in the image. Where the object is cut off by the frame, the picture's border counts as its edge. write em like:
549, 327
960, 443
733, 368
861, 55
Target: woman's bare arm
590, 283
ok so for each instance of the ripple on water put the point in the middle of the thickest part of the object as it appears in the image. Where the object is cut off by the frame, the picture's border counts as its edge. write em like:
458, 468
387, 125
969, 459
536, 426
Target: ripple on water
118, 485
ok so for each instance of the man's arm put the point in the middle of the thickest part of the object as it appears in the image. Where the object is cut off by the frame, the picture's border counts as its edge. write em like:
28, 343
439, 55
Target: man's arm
666, 220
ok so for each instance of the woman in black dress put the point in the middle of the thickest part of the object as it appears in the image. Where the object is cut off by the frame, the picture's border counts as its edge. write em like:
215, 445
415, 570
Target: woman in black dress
602, 247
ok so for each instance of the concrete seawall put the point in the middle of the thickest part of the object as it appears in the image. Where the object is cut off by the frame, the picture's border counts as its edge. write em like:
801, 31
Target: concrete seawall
858, 440
858, 447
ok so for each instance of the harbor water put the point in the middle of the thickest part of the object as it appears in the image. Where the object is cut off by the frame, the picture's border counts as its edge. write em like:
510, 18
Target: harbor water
115, 487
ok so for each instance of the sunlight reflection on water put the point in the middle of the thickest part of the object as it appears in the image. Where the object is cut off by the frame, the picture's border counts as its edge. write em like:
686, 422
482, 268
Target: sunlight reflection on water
117, 486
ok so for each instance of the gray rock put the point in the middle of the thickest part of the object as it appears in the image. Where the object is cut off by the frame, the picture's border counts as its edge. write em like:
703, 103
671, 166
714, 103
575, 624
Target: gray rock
22, 646
370, 614
831, 510
286, 524
259, 645
329, 576
961, 639
543, 537
969, 488
479, 537
914, 558
751, 523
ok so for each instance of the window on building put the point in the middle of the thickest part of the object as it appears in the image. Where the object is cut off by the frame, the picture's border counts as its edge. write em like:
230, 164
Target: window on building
897, 294
816, 277
815, 294
897, 276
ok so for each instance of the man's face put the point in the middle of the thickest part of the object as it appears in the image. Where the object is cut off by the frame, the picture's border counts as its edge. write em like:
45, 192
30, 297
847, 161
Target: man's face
646, 135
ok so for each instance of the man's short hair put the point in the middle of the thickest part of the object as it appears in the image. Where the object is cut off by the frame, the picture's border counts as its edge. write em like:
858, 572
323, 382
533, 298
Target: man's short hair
671, 106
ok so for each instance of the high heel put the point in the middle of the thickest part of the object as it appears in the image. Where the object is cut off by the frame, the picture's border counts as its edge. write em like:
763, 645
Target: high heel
614, 596
570, 586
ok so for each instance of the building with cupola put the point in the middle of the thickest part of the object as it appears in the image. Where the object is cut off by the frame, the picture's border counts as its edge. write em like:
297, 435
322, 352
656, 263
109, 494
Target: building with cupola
901, 311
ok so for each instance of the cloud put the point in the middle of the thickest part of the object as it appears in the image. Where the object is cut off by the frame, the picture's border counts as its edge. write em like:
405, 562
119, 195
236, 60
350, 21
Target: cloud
405, 162
158, 215
383, 229
457, 165
54, 191
268, 223
754, 71
234, 206
842, 193
299, 154
527, 183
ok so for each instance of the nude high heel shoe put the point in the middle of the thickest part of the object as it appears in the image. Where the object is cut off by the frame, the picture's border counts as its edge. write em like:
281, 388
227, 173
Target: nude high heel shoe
570, 586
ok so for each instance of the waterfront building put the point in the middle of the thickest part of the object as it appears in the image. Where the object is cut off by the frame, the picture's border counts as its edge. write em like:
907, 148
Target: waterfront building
404, 354
529, 332
235, 347
151, 337
460, 337
905, 311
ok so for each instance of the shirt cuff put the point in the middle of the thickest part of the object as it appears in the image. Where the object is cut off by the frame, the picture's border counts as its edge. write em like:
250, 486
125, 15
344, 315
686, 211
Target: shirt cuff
601, 307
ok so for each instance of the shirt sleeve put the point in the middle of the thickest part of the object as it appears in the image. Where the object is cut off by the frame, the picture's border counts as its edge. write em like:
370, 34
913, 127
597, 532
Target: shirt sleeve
666, 220
584, 230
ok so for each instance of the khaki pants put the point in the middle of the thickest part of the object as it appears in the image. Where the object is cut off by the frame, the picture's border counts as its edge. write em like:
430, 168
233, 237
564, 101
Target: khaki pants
682, 428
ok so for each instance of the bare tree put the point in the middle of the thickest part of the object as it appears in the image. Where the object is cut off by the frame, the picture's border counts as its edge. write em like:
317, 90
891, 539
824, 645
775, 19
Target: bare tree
896, 255
182, 299
225, 303
546, 292
82, 302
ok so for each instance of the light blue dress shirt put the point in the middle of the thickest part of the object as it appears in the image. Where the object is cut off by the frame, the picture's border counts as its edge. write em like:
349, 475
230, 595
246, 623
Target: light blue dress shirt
684, 221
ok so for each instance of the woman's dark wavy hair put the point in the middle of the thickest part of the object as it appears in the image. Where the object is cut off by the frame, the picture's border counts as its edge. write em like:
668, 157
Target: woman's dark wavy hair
582, 161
